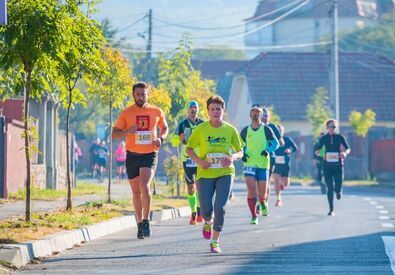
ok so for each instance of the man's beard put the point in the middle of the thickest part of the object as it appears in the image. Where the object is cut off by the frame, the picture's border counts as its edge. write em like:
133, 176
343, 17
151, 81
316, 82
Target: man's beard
140, 103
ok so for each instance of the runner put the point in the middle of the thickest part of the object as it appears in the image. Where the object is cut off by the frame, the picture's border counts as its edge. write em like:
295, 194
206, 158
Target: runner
215, 140
181, 136
102, 155
120, 156
259, 139
266, 120
282, 165
138, 124
333, 161
319, 164
93, 156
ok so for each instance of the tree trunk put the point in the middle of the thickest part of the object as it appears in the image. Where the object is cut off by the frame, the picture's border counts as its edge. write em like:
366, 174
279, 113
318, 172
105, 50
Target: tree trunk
110, 159
27, 79
68, 153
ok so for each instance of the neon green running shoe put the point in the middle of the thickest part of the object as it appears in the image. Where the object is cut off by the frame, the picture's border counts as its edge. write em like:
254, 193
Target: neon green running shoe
254, 220
264, 209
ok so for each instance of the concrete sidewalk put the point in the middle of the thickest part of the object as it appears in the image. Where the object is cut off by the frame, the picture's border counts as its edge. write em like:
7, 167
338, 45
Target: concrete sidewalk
13, 209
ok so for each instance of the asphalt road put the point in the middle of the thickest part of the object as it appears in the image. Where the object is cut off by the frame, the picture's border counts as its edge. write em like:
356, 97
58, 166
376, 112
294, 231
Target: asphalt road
297, 238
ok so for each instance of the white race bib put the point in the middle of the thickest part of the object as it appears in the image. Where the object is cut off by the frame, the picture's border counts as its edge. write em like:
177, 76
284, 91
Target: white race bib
332, 157
143, 137
249, 171
190, 163
215, 159
280, 160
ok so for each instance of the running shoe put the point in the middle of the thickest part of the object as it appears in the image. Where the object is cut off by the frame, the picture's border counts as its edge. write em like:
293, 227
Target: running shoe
192, 221
279, 203
140, 234
207, 230
338, 195
254, 220
258, 209
214, 247
199, 219
146, 228
265, 209
331, 213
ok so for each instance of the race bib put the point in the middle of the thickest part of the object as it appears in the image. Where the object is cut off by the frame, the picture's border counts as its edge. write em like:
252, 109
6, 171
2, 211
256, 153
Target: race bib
249, 171
190, 163
332, 157
280, 160
144, 137
215, 159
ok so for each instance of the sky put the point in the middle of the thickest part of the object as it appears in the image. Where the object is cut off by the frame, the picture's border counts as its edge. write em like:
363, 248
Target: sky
199, 17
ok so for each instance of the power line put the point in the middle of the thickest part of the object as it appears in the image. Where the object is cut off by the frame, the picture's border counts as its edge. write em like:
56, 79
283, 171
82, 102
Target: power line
357, 42
271, 22
180, 25
132, 24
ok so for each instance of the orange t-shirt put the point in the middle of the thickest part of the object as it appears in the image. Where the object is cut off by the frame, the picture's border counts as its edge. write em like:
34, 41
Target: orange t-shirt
148, 119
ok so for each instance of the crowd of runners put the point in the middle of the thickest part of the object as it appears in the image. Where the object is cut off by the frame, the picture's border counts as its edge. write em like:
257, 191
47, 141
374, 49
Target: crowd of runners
209, 150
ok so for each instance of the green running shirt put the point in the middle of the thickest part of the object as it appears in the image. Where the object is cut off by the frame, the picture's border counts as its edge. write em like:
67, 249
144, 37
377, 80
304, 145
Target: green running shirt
210, 140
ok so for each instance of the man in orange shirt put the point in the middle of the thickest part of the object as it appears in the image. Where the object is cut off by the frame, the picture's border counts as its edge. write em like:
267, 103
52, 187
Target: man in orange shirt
138, 124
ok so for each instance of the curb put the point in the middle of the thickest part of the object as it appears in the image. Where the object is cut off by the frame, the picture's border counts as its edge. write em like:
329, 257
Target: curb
20, 254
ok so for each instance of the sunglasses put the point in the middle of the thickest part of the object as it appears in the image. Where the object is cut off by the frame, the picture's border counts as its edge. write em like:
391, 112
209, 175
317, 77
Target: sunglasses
331, 126
265, 115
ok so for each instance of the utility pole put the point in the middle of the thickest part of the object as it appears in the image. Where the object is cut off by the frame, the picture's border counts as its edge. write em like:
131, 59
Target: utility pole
149, 46
334, 62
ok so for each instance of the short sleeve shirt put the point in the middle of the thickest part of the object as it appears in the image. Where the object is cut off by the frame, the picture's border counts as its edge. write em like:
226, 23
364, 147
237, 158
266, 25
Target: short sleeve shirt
147, 119
211, 140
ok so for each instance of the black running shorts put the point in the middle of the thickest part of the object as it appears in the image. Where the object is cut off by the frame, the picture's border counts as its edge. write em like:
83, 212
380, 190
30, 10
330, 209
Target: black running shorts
282, 169
189, 173
135, 161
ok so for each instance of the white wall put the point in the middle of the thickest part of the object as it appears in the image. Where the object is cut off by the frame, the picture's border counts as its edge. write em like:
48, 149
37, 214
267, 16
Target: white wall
239, 103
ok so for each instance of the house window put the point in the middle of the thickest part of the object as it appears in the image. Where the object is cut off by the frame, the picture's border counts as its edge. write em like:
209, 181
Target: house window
367, 8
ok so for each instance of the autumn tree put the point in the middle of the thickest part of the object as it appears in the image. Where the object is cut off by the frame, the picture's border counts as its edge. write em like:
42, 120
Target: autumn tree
112, 89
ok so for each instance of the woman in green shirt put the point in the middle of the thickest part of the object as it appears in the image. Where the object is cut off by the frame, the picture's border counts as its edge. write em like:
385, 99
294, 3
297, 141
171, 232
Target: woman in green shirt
215, 141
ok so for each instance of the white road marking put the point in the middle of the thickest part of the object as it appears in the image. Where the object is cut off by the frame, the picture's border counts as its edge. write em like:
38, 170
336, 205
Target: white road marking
387, 225
389, 244
373, 202
383, 212
367, 199
384, 218
379, 207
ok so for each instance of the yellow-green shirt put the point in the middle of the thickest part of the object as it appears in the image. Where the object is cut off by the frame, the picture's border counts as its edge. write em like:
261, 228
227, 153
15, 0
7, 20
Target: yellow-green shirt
208, 140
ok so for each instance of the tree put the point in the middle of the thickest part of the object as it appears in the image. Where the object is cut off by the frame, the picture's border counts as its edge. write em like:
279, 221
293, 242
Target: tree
82, 56
34, 37
177, 76
378, 38
112, 89
318, 111
174, 75
362, 123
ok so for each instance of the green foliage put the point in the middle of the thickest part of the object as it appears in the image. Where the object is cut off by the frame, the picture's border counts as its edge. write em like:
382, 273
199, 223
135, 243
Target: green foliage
362, 123
318, 111
11, 82
218, 54
378, 38
274, 117
182, 82
114, 85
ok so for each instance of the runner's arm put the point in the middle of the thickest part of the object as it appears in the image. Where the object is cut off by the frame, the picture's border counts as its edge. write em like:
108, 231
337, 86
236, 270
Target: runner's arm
272, 141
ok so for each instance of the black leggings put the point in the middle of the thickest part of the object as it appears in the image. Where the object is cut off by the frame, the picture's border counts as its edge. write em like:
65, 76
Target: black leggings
333, 174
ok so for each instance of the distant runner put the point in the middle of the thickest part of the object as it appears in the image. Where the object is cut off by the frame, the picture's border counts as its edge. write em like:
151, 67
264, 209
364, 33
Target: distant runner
215, 141
333, 161
259, 142
181, 136
282, 166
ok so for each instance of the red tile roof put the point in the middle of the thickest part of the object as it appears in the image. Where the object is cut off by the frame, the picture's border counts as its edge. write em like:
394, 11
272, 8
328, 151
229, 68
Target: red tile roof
289, 80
